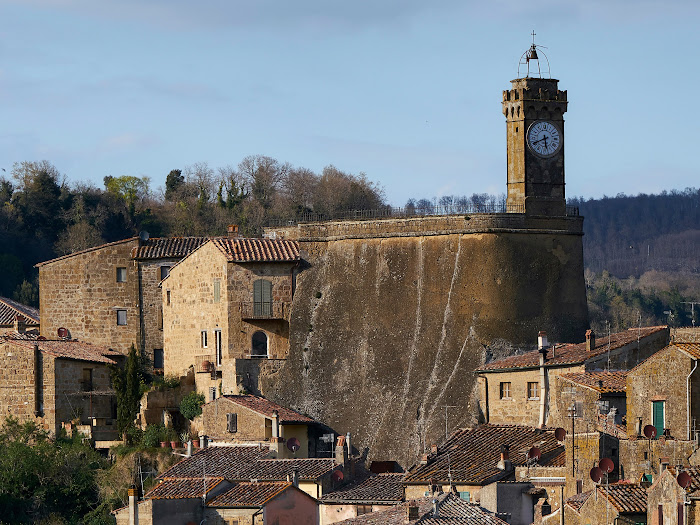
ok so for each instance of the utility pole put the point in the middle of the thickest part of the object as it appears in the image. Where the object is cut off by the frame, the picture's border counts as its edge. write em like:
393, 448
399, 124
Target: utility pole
692, 310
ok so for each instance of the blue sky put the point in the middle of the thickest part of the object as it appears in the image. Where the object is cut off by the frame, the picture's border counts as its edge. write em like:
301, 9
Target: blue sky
406, 91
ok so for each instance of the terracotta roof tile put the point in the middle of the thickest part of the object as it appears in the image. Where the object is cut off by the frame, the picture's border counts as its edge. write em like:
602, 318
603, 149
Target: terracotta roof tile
167, 247
577, 501
266, 407
182, 488
9, 310
625, 497
243, 463
77, 350
242, 249
381, 488
471, 456
250, 494
451, 510
570, 354
691, 348
614, 381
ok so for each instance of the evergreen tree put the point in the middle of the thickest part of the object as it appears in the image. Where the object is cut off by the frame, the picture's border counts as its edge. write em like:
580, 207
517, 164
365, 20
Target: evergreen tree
127, 383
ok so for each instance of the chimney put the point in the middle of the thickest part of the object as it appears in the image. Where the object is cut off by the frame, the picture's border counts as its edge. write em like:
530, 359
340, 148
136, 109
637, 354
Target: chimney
232, 231
639, 427
295, 477
436, 513
275, 424
341, 455
412, 512
505, 463
133, 507
348, 444
20, 324
590, 340
203, 441
433, 449
542, 340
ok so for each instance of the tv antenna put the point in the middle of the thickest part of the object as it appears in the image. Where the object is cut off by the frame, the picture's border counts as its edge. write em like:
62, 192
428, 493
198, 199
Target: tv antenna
692, 310
533, 54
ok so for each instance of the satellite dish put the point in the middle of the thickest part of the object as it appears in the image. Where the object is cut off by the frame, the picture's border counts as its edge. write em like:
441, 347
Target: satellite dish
606, 465
534, 453
62, 332
337, 476
684, 480
144, 236
293, 444
650, 431
560, 434
596, 474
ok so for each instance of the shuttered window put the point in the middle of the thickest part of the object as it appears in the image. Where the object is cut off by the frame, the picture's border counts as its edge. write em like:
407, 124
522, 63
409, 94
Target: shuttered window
232, 423
262, 298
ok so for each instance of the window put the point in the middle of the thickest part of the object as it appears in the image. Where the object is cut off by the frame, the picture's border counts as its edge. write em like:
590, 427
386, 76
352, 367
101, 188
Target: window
160, 317
533, 390
204, 339
262, 298
121, 317
167, 297
232, 423
86, 383
658, 420
505, 390
217, 291
164, 272
364, 509
158, 358
121, 275
217, 344
259, 345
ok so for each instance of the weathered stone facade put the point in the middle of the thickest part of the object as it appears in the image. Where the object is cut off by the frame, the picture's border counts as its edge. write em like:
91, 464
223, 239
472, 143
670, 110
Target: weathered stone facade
52, 390
196, 319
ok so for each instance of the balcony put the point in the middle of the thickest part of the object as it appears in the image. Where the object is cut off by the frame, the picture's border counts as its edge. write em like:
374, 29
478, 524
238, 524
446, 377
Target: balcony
265, 310
205, 363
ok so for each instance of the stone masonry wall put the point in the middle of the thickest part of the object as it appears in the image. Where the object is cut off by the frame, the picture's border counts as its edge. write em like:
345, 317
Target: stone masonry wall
251, 425
81, 293
391, 318
663, 378
643, 456
72, 401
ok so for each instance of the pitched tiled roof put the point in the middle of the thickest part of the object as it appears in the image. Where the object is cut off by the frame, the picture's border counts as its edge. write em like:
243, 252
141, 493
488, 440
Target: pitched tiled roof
694, 473
167, 247
9, 310
130, 239
451, 511
614, 381
243, 463
250, 494
226, 462
242, 249
571, 354
555, 461
381, 488
77, 350
266, 407
27, 335
625, 497
690, 348
577, 501
471, 456
182, 488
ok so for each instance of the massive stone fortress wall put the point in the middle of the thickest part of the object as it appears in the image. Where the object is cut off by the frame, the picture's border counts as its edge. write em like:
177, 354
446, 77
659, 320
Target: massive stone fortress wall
391, 317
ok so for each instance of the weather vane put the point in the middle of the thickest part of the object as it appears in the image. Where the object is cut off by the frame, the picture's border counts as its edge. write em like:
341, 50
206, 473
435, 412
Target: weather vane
532, 54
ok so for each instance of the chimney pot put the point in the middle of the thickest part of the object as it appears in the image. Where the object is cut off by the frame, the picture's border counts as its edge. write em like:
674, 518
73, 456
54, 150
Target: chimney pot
20, 324
233, 231
433, 449
590, 340
542, 340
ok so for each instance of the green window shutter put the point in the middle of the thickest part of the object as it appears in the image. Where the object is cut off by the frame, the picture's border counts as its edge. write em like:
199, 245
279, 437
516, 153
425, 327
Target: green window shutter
262, 297
658, 416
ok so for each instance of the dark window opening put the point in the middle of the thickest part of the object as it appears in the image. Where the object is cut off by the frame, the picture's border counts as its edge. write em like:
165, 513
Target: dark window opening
86, 383
259, 345
232, 423
121, 275
158, 358
164, 272
121, 317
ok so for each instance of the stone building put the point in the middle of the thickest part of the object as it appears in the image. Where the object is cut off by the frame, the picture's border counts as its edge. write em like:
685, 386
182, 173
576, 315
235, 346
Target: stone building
620, 503
226, 311
16, 316
108, 295
55, 382
368, 494
529, 389
253, 419
670, 504
472, 459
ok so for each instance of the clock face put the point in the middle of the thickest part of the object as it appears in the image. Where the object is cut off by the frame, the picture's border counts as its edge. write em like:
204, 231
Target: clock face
543, 138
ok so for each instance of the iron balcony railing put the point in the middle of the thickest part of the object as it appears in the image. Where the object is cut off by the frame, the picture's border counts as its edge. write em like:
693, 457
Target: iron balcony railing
409, 211
264, 309
204, 363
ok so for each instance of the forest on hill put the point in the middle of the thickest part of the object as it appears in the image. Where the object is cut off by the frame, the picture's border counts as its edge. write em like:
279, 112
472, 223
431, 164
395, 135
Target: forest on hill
641, 252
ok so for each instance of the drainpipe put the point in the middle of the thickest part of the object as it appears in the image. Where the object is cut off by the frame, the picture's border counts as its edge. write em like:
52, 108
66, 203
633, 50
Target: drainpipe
486, 397
544, 391
687, 393
38, 380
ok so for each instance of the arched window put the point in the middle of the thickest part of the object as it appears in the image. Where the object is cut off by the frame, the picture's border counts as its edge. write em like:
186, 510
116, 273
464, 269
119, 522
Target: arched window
259, 345
262, 298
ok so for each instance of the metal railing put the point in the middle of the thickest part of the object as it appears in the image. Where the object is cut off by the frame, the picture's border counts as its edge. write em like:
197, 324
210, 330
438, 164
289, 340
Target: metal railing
264, 309
390, 212
204, 363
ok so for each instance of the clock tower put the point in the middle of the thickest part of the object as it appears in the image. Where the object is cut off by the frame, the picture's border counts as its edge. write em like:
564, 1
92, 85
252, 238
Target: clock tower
534, 108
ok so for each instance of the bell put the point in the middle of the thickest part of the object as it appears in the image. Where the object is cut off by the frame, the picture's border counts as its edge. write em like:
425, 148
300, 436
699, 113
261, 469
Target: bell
532, 53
